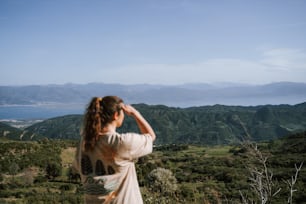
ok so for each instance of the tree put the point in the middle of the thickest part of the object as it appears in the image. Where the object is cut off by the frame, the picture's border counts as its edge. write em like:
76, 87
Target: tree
293, 181
73, 174
162, 181
28, 177
53, 170
1, 176
261, 177
13, 169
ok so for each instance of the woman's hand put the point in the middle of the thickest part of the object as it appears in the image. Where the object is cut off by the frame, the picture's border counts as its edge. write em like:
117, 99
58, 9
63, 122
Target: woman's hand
129, 110
143, 125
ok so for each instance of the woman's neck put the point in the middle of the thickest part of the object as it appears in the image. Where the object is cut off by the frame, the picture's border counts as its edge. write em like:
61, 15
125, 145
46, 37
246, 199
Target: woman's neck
109, 128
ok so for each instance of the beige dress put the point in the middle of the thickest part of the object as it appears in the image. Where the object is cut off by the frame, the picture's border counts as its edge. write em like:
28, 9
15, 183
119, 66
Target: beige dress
108, 172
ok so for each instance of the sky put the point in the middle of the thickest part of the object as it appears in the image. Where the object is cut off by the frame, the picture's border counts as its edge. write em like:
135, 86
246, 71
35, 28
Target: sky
152, 41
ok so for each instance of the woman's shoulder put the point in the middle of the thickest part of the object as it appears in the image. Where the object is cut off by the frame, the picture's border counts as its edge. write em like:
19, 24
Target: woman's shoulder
116, 138
128, 139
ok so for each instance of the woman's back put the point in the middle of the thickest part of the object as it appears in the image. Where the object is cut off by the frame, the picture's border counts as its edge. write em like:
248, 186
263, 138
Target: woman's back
108, 171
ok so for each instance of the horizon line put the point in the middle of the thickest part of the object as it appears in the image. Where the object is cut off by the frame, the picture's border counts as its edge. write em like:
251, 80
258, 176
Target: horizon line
155, 84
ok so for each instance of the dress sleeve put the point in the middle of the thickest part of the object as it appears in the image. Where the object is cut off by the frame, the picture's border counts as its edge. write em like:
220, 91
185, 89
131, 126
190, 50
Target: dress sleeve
137, 145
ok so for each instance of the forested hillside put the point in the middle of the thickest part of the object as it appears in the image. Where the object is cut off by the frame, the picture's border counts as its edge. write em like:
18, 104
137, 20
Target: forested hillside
65, 127
9, 132
197, 125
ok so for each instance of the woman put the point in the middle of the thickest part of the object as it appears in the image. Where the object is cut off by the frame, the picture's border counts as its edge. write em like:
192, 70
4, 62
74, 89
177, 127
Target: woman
106, 158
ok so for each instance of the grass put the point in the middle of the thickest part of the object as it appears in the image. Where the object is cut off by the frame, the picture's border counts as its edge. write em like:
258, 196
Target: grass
68, 155
214, 151
218, 151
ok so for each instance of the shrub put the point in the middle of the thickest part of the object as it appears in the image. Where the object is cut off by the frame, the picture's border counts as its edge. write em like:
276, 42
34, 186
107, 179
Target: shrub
162, 181
53, 170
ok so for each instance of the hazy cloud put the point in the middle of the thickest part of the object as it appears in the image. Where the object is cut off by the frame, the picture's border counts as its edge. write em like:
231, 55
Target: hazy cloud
285, 59
276, 65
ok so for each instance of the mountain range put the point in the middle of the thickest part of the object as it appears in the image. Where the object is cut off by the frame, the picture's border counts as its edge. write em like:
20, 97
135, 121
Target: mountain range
186, 95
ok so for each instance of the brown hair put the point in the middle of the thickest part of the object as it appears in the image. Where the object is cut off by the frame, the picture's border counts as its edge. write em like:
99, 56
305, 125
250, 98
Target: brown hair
99, 113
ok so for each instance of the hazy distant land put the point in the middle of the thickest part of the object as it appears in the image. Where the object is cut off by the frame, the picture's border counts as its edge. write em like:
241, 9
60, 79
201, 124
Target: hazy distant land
45, 101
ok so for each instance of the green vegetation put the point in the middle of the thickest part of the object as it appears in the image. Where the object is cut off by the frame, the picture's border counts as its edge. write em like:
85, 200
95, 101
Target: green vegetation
9, 132
32, 172
206, 125
65, 127
39, 172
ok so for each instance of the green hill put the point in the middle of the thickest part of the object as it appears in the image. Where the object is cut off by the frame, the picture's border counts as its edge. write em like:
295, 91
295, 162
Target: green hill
295, 143
65, 127
209, 125
9, 132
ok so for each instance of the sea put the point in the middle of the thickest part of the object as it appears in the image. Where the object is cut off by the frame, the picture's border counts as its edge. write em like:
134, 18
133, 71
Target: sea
31, 112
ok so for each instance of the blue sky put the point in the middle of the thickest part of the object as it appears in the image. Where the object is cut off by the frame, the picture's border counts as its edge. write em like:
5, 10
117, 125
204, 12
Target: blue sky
152, 41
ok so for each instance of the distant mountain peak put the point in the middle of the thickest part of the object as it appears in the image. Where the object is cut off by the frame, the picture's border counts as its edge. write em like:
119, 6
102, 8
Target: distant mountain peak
185, 95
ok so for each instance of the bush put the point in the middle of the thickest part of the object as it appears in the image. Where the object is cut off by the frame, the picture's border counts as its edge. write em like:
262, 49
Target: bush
162, 181
40, 179
65, 187
53, 170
